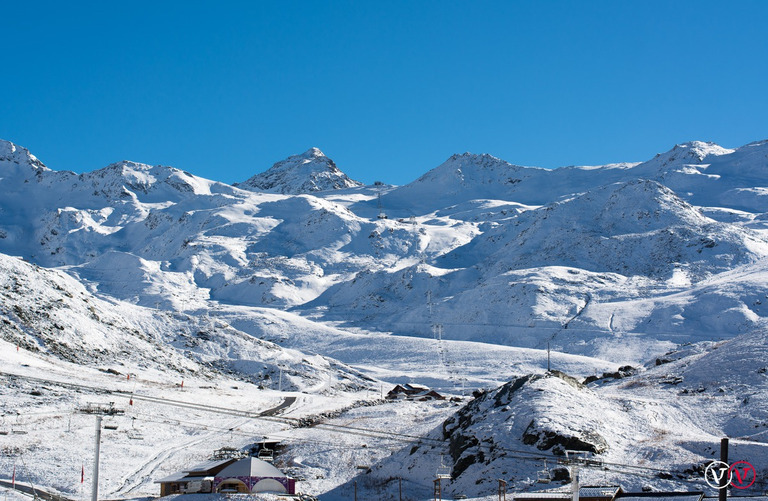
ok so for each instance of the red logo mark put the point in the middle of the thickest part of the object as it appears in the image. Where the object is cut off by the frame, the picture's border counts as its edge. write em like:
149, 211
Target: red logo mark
744, 477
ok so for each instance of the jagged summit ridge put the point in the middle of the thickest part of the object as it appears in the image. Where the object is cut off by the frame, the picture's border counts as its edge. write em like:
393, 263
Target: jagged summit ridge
469, 168
311, 171
698, 150
15, 154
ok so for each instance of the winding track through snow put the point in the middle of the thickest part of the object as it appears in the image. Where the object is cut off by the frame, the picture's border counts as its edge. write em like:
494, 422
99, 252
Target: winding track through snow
148, 469
138, 478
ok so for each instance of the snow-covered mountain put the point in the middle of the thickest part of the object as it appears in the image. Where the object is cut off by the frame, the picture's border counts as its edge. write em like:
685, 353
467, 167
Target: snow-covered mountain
295, 280
309, 172
704, 174
482, 252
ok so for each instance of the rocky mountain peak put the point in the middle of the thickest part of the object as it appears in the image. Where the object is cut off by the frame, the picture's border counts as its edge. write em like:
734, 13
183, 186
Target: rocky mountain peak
308, 172
15, 154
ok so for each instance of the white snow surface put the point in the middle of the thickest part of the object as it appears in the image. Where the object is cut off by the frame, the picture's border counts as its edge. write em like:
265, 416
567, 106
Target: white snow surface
117, 285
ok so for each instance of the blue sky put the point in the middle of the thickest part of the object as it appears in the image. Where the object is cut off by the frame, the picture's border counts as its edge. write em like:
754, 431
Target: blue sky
388, 90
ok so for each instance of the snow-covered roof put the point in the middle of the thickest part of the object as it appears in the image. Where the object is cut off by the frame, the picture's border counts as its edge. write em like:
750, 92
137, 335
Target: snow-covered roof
598, 491
175, 477
250, 467
661, 496
608, 491
207, 465
740, 498
543, 495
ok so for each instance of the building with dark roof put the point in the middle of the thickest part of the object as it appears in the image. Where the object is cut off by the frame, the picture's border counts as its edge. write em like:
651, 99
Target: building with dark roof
249, 475
199, 478
413, 392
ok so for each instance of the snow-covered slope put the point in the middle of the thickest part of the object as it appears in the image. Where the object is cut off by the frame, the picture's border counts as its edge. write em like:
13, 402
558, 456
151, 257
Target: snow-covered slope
624, 421
306, 173
50, 313
468, 176
561, 271
18, 159
633, 228
297, 281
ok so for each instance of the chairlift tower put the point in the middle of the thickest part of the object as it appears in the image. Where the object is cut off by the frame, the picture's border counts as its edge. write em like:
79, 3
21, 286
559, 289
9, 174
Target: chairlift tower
100, 411
438, 492
380, 207
437, 332
443, 472
575, 459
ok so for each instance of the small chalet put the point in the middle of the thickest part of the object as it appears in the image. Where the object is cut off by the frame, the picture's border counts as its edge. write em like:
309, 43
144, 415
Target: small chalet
249, 475
413, 392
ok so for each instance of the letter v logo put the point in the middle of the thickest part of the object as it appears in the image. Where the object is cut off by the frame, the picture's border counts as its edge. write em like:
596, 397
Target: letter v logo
715, 473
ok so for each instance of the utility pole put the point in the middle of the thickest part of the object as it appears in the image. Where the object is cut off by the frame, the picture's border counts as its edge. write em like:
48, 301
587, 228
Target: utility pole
548, 369
575, 481
573, 459
100, 411
723, 494
95, 485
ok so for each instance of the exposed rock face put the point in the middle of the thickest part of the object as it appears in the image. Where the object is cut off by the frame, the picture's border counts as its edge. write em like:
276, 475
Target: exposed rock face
520, 409
558, 443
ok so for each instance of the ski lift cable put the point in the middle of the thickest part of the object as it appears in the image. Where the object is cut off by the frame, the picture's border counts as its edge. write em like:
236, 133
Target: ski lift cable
379, 434
228, 431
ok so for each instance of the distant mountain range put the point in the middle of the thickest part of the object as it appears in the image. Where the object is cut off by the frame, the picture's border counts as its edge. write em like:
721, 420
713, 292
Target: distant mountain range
492, 251
650, 277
